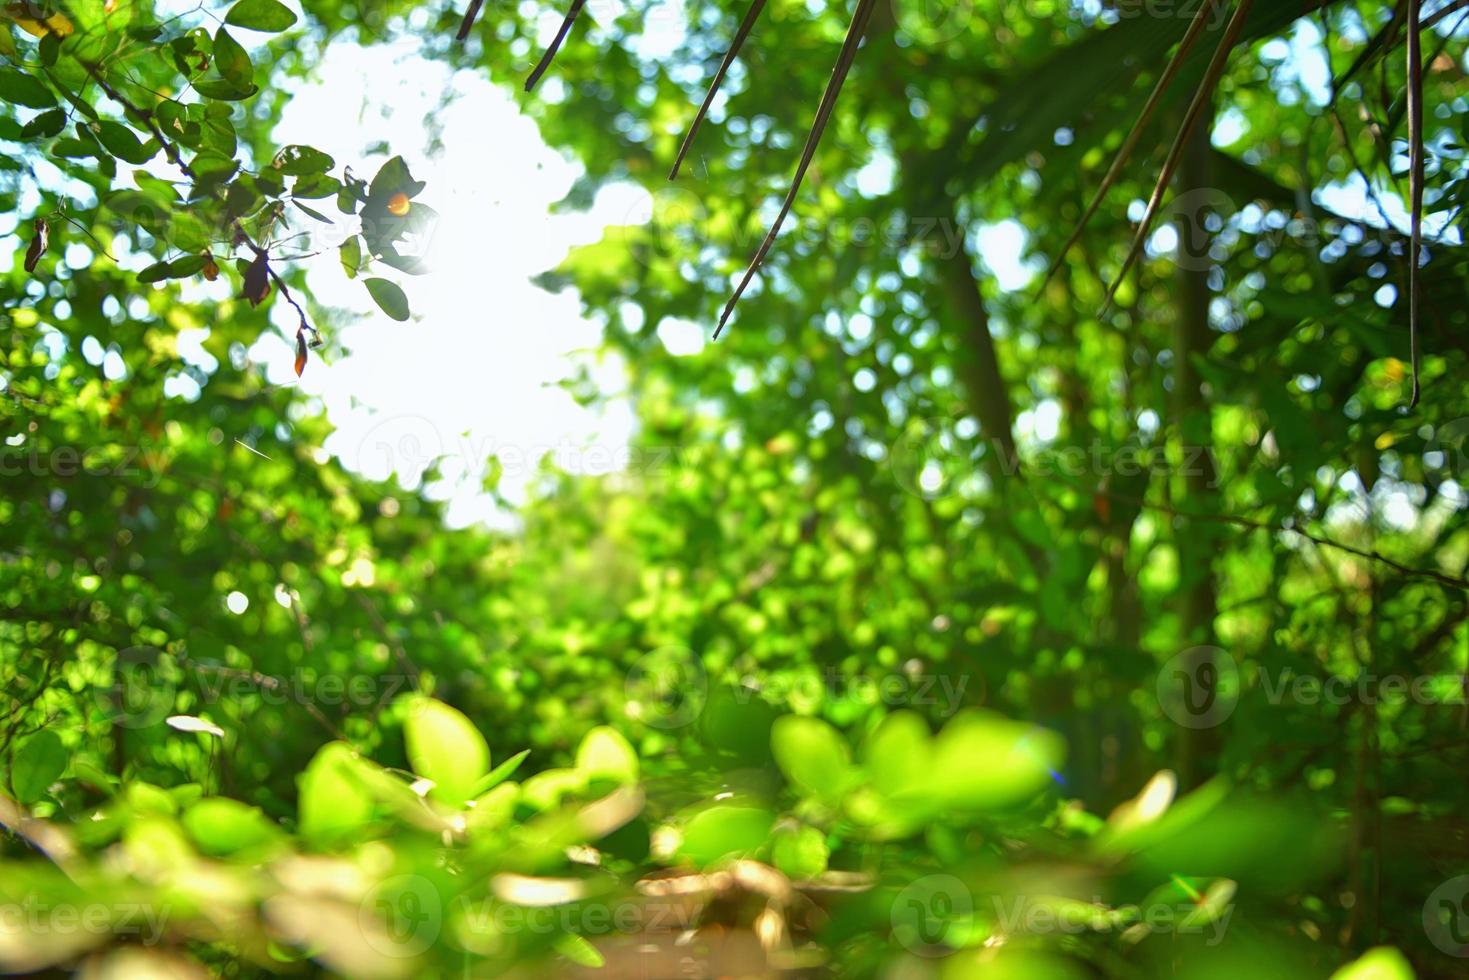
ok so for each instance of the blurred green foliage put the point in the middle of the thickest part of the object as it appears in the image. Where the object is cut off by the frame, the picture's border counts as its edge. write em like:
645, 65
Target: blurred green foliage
939, 629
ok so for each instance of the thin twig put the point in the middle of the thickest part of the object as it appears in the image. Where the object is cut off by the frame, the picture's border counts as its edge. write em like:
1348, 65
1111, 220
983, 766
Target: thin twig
1175, 65
267, 682
1381, 41
1202, 97
550, 55
276, 278
823, 113
143, 115
1443, 15
751, 16
1254, 525
468, 23
1415, 180
85, 231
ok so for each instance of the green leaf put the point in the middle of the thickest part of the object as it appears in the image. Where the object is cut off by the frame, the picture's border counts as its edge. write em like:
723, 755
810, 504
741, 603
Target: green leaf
813, 756
157, 272
268, 16
725, 830
187, 233
1018, 963
225, 90
332, 803
1381, 963
351, 255
501, 772
232, 61
188, 265
605, 754
444, 746
221, 827
312, 212
49, 48
242, 199
313, 186
546, 789
37, 763
72, 148
212, 169
180, 268
188, 51
389, 297
983, 761
45, 125
145, 210
147, 798
393, 178
897, 755
145, 31
579, 950
297, 161
124, 144
21, 89
164, 191
738, 725
494, 808
800, 852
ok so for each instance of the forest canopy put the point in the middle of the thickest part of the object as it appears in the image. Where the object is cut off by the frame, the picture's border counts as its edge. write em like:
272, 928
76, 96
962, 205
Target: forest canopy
1055, 568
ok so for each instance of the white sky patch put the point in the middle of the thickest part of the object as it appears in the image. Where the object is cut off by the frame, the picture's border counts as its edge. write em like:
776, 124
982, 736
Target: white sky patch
1001, 246
681, 337
1230, 126
1350, 199
1039, 426
662, 28
476, 373
877, 176
1308, 47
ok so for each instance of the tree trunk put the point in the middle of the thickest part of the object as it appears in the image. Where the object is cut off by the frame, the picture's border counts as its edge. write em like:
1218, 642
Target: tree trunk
1198, 603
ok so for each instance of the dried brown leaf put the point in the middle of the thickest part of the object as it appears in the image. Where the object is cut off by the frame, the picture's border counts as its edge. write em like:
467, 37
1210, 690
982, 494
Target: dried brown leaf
301, 354
39, 242
257, 279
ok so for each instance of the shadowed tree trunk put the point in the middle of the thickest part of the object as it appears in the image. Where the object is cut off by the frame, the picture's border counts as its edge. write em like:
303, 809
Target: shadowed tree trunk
979, 365
1192, 338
